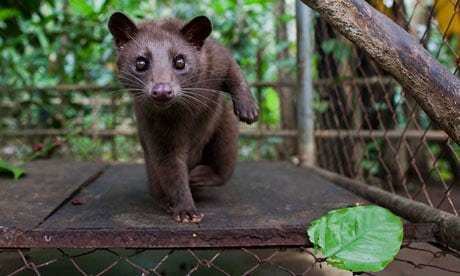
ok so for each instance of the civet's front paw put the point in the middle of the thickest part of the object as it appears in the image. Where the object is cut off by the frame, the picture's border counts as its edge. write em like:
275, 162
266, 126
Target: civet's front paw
246, 110
187, 215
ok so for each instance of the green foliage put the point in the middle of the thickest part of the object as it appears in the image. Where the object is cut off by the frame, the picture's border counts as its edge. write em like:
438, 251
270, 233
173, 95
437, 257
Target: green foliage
371, 164
270, 107
441, 168
320, 105
9, 169
339, 50
81, 7
8, 13
50, 42
444, 171
358, 239
45, 149
85, 148
47, 43
443, 53
251, 149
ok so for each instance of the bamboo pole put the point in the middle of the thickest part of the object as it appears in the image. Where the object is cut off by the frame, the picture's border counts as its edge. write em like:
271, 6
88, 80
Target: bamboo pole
434, 88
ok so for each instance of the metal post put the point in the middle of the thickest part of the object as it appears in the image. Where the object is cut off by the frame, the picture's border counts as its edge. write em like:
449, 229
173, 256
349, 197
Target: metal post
305, 113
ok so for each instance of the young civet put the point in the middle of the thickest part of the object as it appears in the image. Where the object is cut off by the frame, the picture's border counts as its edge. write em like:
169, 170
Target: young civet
178, 78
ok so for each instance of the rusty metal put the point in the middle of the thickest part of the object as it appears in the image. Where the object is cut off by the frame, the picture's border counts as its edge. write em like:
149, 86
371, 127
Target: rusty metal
154, 238
283, 236
430, 135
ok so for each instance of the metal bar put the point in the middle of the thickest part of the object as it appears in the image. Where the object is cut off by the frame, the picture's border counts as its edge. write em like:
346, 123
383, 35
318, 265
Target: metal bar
285, 236
247, 133
438, 135
431, 135
113, 126
259, 97
107, 88
153, 238
305, 113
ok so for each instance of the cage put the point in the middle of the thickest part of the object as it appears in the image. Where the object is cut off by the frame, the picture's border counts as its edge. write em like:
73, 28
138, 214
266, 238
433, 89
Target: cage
361, 128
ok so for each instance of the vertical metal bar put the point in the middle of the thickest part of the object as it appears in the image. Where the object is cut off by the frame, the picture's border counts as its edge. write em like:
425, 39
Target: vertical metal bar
113, 126
305, 113
259, 77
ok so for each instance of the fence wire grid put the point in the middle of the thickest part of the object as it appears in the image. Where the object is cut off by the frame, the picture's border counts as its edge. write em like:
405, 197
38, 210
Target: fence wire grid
369, 129
419, 259
366, 128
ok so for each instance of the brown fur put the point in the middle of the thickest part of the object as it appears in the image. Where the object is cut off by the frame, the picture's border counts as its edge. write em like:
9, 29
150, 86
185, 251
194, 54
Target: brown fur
193, 140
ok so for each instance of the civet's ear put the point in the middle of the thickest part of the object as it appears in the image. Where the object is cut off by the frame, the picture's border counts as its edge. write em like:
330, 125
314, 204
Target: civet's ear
197, 30
122, 28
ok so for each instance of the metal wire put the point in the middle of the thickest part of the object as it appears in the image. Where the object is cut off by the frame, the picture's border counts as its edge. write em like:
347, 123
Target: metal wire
420, 169
250, 262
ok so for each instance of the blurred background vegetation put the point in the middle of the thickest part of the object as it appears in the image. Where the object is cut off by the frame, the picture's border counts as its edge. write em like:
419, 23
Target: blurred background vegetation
50, 43
59, 95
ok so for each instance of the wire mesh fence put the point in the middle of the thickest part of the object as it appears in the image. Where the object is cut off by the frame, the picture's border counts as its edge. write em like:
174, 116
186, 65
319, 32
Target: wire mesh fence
187, 262
414, 258
366, 128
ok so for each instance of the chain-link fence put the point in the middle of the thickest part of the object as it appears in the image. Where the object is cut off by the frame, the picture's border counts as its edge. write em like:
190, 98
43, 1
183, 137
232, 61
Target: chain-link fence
417, 258
366, 128
369, 129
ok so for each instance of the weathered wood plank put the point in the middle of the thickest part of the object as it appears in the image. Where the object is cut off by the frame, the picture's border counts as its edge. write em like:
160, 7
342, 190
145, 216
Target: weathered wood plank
259, 194
27, 202
265, 204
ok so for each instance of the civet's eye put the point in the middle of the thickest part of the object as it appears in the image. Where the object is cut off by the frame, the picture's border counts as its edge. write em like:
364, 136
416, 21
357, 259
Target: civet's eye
179, 62
142, 64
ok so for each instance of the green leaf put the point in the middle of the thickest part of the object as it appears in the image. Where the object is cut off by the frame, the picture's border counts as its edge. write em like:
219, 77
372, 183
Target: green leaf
337, 48
7, 168
81, 7
8, 13
270, 107
358, 239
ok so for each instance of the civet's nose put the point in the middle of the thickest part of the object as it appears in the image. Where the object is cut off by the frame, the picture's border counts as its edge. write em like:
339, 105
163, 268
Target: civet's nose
162, 92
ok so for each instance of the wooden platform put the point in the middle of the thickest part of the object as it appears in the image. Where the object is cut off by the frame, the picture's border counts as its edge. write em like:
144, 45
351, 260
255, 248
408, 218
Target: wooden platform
83, 205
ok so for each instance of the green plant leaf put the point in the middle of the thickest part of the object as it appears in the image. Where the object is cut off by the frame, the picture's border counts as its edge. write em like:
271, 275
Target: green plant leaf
358, 239
81, 7
8, 13
7, 168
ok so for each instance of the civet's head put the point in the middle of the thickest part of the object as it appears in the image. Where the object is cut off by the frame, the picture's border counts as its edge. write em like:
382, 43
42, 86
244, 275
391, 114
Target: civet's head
157, 60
